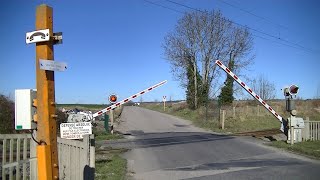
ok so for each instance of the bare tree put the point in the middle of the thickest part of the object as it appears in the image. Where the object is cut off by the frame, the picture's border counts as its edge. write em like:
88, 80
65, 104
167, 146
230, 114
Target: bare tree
198, 40
264, 88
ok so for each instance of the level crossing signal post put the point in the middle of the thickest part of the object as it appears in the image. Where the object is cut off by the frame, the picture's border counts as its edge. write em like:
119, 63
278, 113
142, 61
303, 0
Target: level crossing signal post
113, 98
293, 125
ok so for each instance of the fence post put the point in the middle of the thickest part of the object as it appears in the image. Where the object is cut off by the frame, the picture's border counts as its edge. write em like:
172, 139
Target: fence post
33, 154
92, 151
222, 118
18, 151
4, 156
307, 129
89, 148
86, 148
11, 159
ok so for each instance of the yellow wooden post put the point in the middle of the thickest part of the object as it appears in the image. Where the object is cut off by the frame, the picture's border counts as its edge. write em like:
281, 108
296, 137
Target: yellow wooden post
46, 122
44, 171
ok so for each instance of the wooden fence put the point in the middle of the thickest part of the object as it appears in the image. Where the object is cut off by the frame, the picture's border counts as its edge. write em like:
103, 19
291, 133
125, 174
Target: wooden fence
18, 157
76, 158
245, 111
311, 132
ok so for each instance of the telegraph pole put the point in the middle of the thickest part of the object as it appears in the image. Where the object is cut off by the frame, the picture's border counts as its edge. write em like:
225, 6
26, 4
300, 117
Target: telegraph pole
46, 118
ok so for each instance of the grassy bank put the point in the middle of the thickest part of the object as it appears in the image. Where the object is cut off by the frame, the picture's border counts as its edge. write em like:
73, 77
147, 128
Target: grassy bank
209, 119
110, 165
310, 148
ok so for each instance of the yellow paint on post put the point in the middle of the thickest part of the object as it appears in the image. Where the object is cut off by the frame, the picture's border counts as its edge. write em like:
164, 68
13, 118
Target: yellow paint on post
46, 124
44, 162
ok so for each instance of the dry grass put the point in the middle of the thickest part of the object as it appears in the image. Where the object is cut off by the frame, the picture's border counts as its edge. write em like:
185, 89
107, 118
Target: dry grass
242, 116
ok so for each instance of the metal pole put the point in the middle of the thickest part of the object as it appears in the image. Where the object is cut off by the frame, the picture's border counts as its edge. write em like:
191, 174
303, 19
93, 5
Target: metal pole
291, 131
46, 124
111, 120
106, 122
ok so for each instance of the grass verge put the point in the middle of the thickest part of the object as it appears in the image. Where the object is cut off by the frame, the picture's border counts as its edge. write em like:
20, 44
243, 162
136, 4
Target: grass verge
110, 165
232, 125
103, 135
309, 148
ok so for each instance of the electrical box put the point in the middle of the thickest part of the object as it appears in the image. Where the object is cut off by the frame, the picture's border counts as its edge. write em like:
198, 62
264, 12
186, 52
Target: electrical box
290, 104
24, 109
297, 123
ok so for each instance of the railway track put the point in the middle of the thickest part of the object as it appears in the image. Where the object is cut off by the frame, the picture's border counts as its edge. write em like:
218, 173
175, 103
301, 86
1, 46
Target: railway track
262, 133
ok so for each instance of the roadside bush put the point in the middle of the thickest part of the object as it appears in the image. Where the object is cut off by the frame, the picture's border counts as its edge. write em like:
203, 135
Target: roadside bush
6, 115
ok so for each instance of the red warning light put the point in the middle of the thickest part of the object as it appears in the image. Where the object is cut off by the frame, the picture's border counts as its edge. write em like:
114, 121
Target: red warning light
293, 90
113, 98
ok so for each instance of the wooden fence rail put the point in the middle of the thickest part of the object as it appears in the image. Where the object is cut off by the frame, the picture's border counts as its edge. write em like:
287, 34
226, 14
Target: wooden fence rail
19, 161
76, 158
311, 131
18, 157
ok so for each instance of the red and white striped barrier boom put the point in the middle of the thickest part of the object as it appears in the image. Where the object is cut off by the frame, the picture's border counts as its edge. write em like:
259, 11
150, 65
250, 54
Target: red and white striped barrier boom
250, 91
128, 99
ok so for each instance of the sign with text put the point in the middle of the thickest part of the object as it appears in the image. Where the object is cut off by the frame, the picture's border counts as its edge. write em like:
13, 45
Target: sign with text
75, 130
52, 65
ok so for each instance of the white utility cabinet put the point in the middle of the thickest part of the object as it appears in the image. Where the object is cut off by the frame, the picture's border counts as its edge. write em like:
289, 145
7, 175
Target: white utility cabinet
24, 109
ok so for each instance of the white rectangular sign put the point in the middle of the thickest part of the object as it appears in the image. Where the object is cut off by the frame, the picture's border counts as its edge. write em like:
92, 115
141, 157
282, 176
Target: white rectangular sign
38, 36
75, 130
52, 65
164, 98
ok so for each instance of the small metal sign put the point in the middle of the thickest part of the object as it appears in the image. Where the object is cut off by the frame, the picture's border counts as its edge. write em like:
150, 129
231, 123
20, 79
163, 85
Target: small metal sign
57, 38
38, 36
75, 130
52, 65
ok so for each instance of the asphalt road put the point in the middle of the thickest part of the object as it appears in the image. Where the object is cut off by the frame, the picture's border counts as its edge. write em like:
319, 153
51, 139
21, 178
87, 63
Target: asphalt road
164, 147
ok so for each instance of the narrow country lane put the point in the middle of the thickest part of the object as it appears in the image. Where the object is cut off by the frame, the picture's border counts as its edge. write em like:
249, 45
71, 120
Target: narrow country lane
165, 147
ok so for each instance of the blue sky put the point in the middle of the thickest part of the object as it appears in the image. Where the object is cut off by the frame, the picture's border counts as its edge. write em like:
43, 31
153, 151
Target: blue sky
115, 46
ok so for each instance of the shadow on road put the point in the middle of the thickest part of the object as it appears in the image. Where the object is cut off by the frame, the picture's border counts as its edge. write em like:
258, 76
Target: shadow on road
145, 140
238, 163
